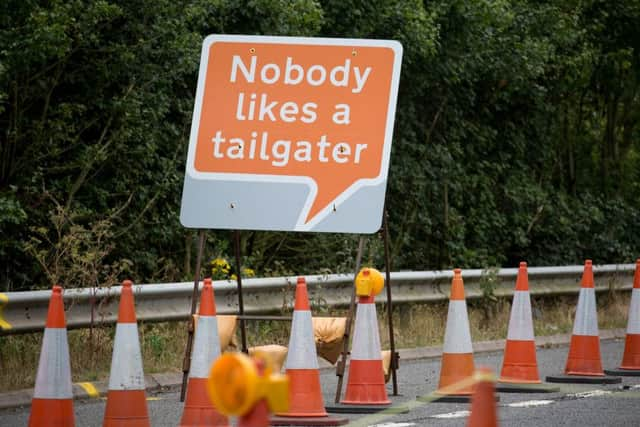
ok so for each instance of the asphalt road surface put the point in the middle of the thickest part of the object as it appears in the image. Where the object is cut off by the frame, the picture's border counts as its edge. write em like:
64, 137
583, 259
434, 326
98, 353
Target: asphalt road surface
573, 405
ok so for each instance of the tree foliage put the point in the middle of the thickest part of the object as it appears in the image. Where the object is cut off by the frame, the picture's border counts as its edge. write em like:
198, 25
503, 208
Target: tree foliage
516, 134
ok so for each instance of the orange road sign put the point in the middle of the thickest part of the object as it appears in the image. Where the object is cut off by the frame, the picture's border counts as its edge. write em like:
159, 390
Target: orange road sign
291, 134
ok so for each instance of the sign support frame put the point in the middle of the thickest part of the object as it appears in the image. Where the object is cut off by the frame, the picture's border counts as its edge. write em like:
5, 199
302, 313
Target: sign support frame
243, 331
186, 361
196, 213
392, 347
342, 361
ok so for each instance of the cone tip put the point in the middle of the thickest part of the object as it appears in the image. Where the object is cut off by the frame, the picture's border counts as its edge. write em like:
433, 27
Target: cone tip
207, 299
484, 374
302, 298
587, 275
484, 369
522, 281
55, 313
126, 308
457, 286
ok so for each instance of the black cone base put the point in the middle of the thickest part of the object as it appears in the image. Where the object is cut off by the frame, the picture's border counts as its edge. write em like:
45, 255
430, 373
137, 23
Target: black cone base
447, 398
526, 388
340, 408
583, 379
310, 421
623, 372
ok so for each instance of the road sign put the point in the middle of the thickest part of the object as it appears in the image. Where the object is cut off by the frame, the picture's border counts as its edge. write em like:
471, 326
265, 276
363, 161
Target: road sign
291, 134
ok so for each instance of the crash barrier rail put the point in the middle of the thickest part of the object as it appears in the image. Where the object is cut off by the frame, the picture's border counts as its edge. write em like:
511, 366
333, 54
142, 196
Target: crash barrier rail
26, 311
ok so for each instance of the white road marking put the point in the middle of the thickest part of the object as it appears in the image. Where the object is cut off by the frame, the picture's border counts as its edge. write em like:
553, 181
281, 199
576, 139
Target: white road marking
523, 404
530, 403
457, 414
591, 393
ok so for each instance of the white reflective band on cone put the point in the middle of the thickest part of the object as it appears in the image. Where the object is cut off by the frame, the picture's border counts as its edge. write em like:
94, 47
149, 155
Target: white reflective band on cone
457, 338
302, 346
586, 322
126, 363
206, 347
53, 380
366, 338
520, 323
633, 324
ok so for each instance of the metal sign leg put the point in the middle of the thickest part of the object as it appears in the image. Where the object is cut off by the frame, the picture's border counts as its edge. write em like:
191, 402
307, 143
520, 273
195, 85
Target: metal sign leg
186, 362
243, 331
340, 367
394, 356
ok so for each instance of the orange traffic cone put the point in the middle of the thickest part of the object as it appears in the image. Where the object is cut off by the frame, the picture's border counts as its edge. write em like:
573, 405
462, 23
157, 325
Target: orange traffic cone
52, 403
519, 366
631, 357
584, 364
306, 406
247, 388
366, 392
457, 351
126, 399
483, 401
305, 394
198, 410
257, 417
365, 385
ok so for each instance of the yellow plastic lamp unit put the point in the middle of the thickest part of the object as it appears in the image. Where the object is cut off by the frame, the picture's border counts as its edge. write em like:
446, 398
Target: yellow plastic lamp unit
235, 385
369, 282
4, 325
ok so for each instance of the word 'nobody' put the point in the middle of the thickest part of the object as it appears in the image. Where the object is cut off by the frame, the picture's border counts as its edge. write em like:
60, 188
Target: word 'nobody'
294, 74
313, 113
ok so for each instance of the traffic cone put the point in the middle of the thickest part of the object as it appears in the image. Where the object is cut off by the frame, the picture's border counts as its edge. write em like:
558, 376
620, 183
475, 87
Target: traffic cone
198, 410
584, 350
247, 388
366, 385
305, 394
366, 392
457, 351
519, 366
306, 406
126, 399
631, 357
52, 403
584, 364
483, 401
257, 417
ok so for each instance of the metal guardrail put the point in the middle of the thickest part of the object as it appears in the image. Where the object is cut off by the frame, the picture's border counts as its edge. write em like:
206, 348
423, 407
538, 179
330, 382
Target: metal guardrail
26, 311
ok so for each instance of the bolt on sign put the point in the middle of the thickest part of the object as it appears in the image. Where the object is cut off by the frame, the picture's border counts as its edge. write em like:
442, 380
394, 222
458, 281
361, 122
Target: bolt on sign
291, 134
